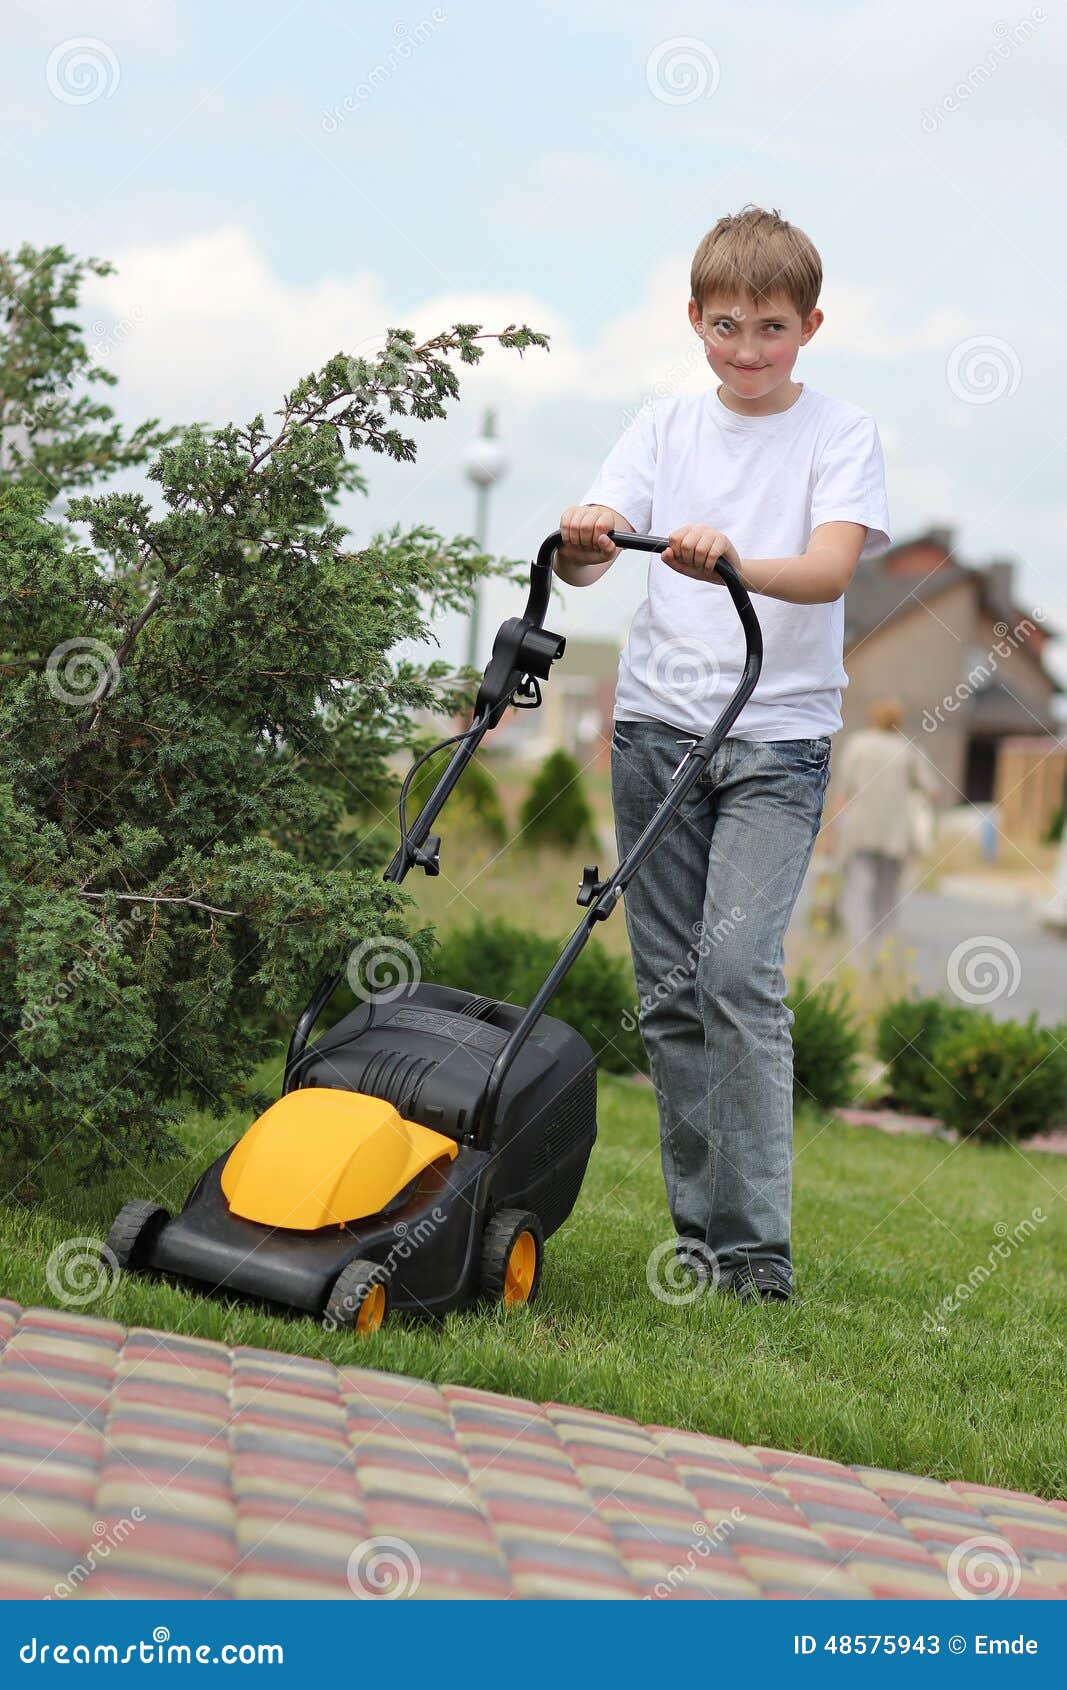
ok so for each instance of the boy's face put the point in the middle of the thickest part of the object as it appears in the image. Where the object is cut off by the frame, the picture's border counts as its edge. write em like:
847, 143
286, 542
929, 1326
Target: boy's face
752, 348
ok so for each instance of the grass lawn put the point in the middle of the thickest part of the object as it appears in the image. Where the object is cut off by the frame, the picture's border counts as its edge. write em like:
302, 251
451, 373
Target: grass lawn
885, 1228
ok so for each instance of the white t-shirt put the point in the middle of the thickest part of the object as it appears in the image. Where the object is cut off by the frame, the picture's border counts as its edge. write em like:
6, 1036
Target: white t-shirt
766, 482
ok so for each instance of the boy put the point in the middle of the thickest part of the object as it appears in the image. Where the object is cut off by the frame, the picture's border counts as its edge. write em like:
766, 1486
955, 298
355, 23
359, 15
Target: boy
788, 485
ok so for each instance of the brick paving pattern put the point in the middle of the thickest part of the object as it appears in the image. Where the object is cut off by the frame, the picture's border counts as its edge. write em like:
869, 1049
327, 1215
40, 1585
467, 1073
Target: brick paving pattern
137, 1463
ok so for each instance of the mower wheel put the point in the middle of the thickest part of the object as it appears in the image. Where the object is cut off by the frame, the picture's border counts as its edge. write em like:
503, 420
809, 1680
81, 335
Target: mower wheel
359, 1301
512, 1251
133, 1227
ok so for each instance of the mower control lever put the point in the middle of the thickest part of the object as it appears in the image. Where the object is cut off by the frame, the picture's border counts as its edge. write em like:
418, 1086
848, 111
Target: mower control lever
591, 885
428, 856
521, 652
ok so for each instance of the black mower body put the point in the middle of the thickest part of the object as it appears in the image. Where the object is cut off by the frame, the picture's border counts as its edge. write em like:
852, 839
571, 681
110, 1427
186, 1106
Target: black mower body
512, 1088
428, 1051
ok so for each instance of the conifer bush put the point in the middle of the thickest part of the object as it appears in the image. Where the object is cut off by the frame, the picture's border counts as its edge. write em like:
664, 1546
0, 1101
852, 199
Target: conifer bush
827, 1040
908, 1031
190, 699
555, 810
1000, 1080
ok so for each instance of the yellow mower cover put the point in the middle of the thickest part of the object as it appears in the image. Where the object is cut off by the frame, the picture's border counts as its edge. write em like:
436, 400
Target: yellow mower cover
320, 1157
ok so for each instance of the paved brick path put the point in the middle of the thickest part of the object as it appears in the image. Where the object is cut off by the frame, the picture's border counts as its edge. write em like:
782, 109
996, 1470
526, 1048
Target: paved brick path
140, 1463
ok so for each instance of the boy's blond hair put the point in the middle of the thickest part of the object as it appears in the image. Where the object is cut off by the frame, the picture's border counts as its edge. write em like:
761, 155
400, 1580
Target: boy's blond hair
758, 254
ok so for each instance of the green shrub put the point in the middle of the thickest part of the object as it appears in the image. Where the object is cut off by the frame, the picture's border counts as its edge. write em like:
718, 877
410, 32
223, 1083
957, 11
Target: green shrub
473, 800
826, 1044
1001, 1079
1054, 831
908, 1030
509, 962
555, 811
191, 687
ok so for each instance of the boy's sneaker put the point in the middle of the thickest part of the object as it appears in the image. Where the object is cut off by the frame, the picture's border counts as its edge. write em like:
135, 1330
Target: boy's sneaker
758, 1282
694, 1254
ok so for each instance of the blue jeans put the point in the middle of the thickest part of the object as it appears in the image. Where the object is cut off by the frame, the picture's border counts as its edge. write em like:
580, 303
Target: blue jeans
706, 915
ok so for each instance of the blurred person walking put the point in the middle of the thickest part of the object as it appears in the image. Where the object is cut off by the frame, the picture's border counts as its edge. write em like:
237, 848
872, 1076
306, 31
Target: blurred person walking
885, 788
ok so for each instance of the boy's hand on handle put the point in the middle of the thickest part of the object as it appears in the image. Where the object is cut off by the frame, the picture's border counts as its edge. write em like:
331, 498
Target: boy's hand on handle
584, 531
695, 550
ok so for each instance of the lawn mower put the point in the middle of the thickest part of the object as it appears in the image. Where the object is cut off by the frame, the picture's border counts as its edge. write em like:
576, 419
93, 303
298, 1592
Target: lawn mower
427, 1144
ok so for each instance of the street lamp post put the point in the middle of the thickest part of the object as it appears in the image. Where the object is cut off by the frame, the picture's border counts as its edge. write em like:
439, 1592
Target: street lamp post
483, 464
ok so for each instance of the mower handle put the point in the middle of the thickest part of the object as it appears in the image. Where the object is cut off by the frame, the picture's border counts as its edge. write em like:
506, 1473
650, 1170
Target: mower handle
732, 582
524, 647
637, 542
542, 570
603, 895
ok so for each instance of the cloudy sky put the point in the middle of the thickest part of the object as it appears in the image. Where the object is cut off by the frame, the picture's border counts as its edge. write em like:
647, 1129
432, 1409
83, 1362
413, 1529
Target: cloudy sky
280, 182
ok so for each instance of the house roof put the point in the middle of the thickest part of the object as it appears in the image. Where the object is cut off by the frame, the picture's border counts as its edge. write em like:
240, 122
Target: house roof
875, 595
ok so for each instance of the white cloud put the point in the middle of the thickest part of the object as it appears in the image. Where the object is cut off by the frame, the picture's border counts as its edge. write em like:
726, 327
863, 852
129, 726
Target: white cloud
219, 334
158, 32
216, 333
860, 322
